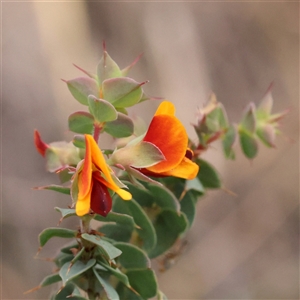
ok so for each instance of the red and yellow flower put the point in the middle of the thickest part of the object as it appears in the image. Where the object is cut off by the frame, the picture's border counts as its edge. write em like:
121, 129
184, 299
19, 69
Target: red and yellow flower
93, 180
168, 134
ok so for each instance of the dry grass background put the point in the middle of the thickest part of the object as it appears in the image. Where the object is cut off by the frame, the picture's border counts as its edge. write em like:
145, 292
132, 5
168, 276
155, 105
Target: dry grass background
244, 247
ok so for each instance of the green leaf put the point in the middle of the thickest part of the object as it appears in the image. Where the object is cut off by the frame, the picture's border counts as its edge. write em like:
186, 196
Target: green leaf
121, 219
107, 248
127, 293
195, 186
62, 258
248, 122
122, 127
77, 256
49, 233
101, 109
249, 144
107, 68
110, 292
79, 141
67, 274
67, 249
264, 109
132, 208
142, 196
122, 91
217, 119
50, 279
64, 293
164, 198
267, 133
208, 175
115, 272
188, 206
61, 154
140, 155
228, 142
169, 225
174, 184
117, 232
56, 188
81, 122
143, 281
82, 87
66, 212
129, 251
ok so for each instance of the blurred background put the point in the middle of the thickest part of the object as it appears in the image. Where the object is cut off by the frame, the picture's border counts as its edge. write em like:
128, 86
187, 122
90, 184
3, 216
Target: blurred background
243, 247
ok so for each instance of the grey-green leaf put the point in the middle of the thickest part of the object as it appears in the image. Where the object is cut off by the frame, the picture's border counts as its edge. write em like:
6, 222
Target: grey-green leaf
107, 248
101, 109
81, 122
110, 292
67, 274
49, 233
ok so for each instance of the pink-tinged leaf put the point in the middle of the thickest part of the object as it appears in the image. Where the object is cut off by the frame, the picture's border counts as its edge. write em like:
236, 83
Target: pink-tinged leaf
122, 92
81, 122
141, 155
107, 68
277, 117
146, 97
265, 107
61, 155
267, 135
101, 109
134, 173
121, 127
86, 72
82, 87
248, 122
128, 68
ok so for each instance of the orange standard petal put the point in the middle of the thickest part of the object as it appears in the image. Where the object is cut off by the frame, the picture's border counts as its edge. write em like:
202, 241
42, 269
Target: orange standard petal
97, 158
85, 178
169, 135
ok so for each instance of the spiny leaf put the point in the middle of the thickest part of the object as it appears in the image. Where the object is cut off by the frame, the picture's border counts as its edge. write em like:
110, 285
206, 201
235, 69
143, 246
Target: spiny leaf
110, 292
107, 248
56, 188
49, 233
77, 269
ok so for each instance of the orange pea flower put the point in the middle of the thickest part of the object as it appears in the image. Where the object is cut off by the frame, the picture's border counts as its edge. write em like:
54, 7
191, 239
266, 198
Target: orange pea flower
93, 179
168, 134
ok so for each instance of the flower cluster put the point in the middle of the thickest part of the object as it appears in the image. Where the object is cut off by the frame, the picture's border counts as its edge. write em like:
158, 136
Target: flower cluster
158, 170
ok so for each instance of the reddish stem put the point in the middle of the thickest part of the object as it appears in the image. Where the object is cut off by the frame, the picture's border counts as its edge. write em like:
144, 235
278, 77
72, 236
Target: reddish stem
97, 130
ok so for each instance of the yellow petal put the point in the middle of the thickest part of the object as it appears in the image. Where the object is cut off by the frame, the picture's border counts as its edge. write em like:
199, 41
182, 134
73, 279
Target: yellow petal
165, 108
83, 204
186, 169
124, 194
